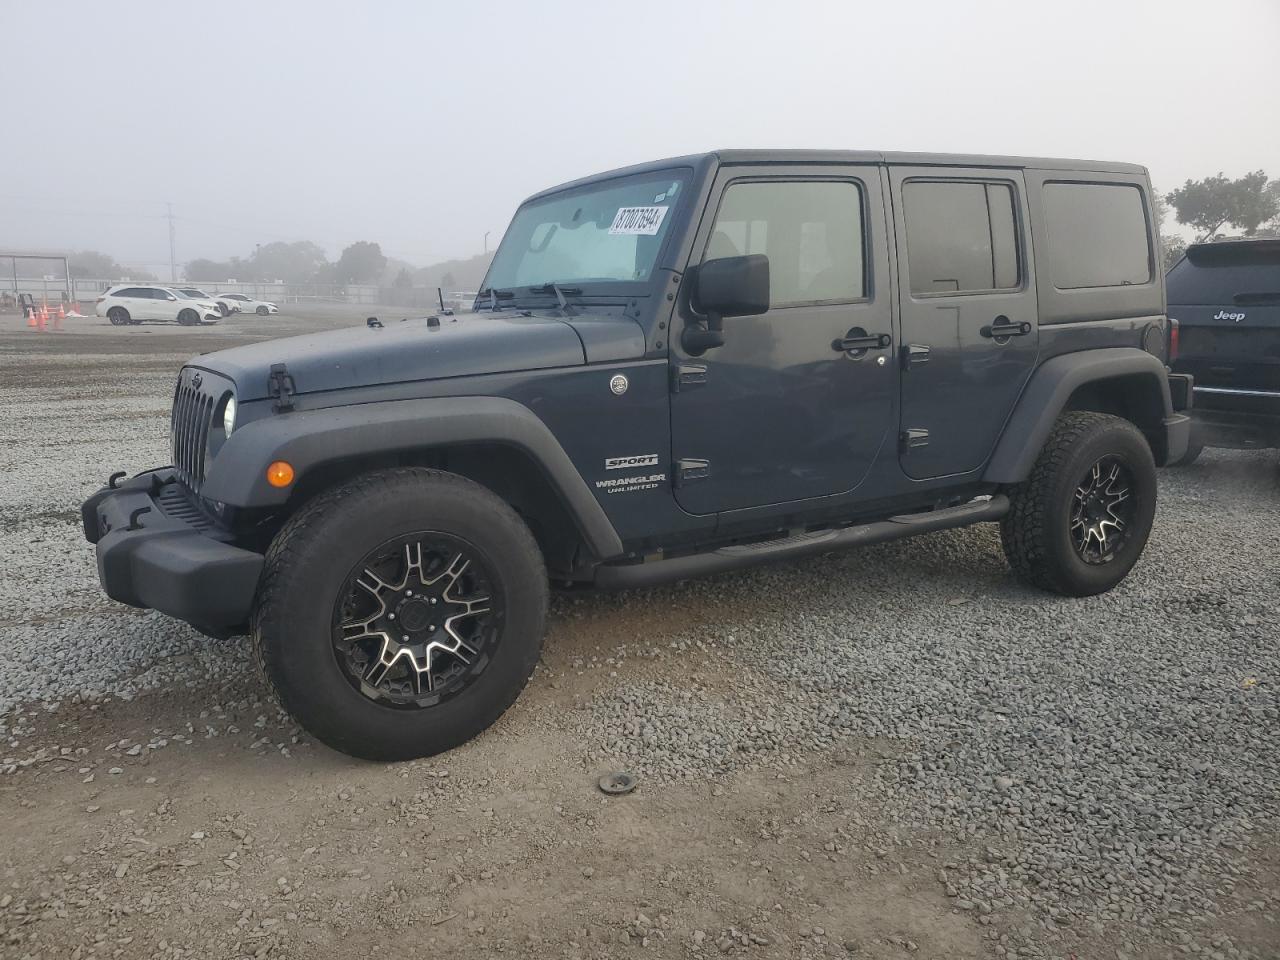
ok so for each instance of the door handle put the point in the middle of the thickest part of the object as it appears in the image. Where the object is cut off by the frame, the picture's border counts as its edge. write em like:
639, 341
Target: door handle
857, 341
1002, 328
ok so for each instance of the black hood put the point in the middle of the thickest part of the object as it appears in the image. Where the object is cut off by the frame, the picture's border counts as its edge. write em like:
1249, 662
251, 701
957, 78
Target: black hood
404, 351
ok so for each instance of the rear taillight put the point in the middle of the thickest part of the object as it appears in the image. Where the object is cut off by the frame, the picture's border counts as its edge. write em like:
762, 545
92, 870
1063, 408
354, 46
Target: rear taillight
100, 299
1173, 339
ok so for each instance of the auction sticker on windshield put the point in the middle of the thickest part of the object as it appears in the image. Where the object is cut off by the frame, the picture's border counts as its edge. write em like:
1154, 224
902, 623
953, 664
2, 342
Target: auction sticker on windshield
643, 221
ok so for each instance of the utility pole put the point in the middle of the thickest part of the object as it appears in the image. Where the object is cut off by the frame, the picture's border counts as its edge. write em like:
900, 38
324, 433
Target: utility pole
173, 256
486, 241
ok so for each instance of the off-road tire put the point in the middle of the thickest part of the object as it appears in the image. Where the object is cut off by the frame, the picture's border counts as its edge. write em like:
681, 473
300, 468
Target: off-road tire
262, 311
188, 317
1191, 456
1036, 531
118, 316
292, 624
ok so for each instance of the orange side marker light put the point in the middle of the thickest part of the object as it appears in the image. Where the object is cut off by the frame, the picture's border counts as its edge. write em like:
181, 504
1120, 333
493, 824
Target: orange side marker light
280, 474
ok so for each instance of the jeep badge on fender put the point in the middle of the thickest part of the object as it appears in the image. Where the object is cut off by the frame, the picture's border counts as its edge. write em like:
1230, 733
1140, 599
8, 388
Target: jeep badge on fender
382, 507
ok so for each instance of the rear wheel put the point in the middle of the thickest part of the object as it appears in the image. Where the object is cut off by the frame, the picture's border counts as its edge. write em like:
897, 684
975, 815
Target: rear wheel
1079, 523
118, 316
188, 317
400, 614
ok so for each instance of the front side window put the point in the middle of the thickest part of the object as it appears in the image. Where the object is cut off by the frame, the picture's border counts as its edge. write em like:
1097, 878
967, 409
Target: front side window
811, 231
1098, 235
606, 232
961, 236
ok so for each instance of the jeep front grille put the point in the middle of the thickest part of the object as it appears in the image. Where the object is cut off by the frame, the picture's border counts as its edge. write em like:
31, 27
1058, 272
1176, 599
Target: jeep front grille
194, 401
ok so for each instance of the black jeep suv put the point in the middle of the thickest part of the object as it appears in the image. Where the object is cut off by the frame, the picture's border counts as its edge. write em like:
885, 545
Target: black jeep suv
1224, 301
673, 369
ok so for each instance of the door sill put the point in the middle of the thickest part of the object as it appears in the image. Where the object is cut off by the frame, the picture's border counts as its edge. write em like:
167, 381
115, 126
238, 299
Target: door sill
651, 573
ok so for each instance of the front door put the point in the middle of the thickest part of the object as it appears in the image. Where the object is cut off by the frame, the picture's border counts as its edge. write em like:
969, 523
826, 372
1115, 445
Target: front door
780, 412
968, 312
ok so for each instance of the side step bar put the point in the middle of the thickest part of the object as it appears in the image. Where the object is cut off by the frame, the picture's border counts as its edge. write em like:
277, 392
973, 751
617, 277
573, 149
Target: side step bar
627, 576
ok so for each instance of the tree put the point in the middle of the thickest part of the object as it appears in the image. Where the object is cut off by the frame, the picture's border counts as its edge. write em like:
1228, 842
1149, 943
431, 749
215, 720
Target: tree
362, 262
448, 282
1210, 204
92, 265
1172, 249
203, 270
403, 280
295, 262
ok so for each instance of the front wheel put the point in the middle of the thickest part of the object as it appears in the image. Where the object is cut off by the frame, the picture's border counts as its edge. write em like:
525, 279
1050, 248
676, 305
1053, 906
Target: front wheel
263, 311
1079, 523
401, 613
188, 318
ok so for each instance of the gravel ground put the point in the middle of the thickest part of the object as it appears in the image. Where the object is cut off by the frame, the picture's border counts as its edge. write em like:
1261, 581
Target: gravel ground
1100, 772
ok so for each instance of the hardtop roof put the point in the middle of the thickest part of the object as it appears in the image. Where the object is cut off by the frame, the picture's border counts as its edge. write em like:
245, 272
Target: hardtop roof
753, 156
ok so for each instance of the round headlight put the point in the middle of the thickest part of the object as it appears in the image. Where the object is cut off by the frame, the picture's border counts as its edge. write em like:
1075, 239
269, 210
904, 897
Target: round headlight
229, 416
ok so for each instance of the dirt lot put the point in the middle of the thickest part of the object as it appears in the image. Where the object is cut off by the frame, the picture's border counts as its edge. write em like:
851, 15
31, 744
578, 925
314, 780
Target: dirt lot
155, 803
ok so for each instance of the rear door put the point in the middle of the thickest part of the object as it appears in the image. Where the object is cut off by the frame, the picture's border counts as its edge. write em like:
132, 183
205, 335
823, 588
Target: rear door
968, 307
1226, 299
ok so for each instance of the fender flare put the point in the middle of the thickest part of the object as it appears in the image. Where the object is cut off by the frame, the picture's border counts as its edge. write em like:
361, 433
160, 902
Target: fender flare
308, 439
1046, 396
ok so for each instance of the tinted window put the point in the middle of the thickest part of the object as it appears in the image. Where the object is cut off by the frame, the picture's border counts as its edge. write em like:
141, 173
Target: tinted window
129, 292
811, 232
1097, 235
1222, 275
961, 237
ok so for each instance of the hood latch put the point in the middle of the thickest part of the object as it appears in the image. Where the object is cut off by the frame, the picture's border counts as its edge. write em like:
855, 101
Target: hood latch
281, 388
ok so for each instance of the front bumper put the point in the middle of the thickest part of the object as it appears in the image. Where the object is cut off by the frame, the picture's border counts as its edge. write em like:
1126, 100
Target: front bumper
156, 549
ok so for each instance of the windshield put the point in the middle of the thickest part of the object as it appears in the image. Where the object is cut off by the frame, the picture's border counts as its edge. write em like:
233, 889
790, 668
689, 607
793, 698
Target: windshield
610, 231
193, 294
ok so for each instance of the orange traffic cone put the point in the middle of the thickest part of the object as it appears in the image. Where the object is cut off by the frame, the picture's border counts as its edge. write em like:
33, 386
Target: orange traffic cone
31, 316
62, 315
44, 316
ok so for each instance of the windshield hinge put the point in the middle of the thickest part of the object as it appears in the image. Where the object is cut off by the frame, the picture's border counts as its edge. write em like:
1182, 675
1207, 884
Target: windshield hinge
280, 388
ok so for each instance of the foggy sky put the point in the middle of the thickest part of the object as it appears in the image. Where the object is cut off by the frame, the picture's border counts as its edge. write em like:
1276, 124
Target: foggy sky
423, 125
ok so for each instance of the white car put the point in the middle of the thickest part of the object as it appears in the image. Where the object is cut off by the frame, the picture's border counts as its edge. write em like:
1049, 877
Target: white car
195, 293
134, 303
238, 301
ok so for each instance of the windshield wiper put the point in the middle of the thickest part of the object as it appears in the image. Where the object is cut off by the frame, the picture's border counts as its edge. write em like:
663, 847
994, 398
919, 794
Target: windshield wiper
559, 291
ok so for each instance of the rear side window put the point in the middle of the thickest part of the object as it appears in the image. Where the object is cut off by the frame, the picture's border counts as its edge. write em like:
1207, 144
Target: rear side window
130, 292
811, 230
1098, 235
1242, 274
962, 236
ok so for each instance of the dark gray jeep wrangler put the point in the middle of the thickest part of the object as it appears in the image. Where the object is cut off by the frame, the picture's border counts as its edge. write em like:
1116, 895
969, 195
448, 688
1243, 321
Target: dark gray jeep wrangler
673, 369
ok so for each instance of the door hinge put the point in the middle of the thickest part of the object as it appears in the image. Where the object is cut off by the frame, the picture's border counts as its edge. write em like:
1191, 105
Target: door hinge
914, 437
689, 469
686, 376
281, 388
915, 355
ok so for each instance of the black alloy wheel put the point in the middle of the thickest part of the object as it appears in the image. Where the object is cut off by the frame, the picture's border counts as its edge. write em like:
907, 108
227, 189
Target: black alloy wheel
1103, 510
417, 620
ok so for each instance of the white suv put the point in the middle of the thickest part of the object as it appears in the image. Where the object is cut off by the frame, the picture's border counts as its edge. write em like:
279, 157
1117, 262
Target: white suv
134, 304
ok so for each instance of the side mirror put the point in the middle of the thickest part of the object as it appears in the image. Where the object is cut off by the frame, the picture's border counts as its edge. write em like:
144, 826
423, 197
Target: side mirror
171, 297
726, 287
